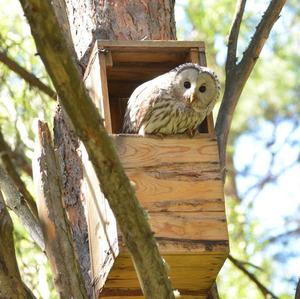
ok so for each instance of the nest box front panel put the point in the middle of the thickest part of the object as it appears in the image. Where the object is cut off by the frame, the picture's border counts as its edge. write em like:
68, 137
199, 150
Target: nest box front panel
177, 179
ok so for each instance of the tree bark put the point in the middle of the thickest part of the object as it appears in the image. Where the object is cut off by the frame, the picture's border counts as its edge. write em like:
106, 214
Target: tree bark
56, 229
89, 127
66, 146
130, 20
11, 285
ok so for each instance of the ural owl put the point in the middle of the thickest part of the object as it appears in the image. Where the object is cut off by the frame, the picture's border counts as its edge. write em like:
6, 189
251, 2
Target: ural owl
175, 102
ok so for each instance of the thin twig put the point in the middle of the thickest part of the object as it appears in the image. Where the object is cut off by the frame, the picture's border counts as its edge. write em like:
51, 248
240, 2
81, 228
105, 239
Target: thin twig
264, 290
31, 79
233, 36
284, 235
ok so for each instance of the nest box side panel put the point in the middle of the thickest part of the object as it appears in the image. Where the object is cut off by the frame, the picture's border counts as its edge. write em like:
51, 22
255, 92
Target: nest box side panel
103, 236
95, 80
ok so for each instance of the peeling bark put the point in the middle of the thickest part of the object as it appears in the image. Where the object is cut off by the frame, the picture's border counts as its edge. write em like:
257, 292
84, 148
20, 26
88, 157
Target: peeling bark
71, 172
59, 244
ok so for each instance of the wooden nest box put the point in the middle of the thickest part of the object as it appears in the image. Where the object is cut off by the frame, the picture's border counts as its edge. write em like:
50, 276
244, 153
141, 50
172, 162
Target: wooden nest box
177, 178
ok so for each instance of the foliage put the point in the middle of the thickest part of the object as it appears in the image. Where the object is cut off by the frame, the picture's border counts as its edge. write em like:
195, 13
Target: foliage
264, 143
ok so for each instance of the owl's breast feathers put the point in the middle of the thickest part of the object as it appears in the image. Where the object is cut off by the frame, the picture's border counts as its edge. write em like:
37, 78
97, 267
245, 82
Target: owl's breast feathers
158, 106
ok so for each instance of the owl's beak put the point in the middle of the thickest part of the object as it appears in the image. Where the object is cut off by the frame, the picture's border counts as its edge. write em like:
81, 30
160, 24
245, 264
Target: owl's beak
192, 98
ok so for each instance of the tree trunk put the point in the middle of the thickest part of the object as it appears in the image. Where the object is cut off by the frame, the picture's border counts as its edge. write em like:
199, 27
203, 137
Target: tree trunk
88, 21
130, 20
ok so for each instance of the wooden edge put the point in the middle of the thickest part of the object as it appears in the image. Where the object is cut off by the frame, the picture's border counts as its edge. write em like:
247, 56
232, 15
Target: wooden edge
91, 61
175, 136
202, 57
105, 101
210, 126
194, 55
150, 44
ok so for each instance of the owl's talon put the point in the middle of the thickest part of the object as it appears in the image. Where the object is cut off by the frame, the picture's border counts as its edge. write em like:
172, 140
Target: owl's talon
191, 132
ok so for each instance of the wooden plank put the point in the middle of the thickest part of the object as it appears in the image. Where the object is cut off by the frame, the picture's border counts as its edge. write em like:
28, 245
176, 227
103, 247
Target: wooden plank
142, 297
202, 57
135, 150
185, 205
191, 274
150, 188
189, 226
152, 56
194, 55
105, 107
92, 78
150, 44
187, 247
129, 73
103, 236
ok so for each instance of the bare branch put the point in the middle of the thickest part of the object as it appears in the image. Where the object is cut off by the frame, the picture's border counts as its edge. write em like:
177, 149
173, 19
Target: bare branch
8, 165
290, 233
56, 228
233, 37
11, 285
236, 79
89, 127
252, 277
31, 79
15, 201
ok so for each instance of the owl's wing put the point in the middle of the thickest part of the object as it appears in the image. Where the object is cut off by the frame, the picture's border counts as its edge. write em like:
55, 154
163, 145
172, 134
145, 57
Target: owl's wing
141, 103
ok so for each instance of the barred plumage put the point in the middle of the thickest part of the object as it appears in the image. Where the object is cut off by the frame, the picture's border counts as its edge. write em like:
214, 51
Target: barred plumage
175, 102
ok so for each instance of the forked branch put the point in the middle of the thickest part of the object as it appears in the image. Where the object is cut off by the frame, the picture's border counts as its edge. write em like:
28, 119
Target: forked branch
238, 74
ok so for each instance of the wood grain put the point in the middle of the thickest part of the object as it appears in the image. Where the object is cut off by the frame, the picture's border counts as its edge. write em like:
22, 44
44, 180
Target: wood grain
103, 237
191, 274
138, 151
166, 45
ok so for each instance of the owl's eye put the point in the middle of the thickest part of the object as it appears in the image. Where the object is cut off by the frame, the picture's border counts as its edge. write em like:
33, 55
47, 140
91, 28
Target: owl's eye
202, 88
187, 84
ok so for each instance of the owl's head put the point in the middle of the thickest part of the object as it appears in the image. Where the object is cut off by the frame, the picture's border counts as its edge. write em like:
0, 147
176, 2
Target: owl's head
197, 86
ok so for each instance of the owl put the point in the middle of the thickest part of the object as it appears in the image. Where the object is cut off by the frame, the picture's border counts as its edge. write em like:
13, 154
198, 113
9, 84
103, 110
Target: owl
173, 103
